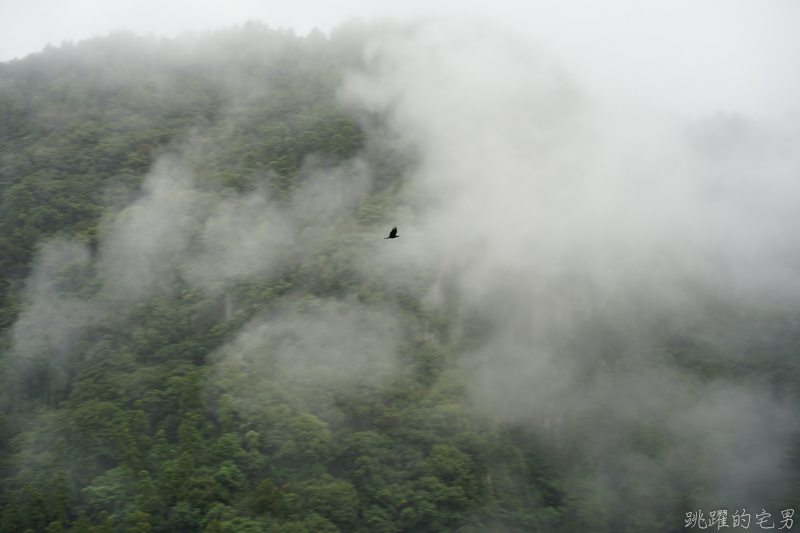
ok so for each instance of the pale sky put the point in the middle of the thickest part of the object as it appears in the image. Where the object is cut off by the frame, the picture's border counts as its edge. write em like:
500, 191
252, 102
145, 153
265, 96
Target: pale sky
693, 57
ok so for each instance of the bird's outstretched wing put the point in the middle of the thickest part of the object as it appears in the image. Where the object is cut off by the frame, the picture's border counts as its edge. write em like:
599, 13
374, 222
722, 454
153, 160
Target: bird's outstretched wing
393, 233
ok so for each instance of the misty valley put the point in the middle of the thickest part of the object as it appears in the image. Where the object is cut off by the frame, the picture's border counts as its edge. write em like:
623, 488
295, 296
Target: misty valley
591, 322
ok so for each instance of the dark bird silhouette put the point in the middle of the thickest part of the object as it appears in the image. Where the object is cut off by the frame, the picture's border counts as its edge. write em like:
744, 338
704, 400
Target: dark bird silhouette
392, 234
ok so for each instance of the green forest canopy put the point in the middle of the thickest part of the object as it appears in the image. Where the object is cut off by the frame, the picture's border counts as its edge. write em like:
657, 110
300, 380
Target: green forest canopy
169, 407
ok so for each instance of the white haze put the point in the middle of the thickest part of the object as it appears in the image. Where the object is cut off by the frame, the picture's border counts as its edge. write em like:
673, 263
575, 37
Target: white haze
210, 239
572, 223
51, 323
692, 57
578, 227
529, 175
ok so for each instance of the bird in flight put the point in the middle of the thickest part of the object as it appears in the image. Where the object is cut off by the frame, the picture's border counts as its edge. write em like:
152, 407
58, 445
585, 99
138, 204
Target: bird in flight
392, 234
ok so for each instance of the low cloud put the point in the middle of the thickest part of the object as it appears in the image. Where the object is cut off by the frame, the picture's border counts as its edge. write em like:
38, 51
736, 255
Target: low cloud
51, 322
583, 233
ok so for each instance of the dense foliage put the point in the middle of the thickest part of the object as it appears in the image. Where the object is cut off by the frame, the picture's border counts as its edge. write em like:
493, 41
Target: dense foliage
153, 417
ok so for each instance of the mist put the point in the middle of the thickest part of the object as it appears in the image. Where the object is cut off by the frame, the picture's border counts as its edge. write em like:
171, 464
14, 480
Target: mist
584, 231
570, 240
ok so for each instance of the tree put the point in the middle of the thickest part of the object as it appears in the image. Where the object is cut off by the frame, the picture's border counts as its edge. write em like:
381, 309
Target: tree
59, 503
82, 524
138, 522
335, 500
307, 439
10, 519
268, 499
34, 510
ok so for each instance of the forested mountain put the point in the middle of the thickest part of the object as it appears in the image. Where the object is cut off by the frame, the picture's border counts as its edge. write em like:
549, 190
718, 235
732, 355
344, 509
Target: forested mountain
203, 330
